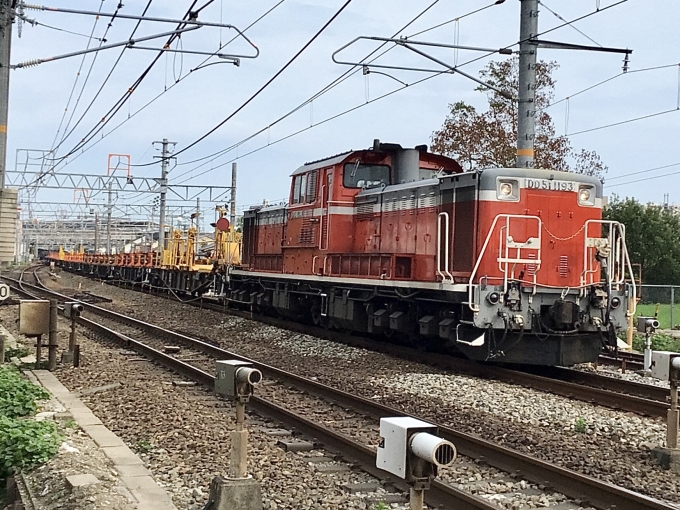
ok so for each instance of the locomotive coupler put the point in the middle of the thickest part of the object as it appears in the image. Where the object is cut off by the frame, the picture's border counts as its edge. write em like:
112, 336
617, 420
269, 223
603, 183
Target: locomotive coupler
513, 297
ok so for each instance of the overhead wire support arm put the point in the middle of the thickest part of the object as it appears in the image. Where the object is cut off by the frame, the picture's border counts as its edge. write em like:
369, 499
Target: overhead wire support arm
232, 59
408, 44
193, 20
555, 45
129, 43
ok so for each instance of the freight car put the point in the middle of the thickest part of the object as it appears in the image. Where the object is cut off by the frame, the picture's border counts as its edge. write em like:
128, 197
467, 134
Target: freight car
506, 265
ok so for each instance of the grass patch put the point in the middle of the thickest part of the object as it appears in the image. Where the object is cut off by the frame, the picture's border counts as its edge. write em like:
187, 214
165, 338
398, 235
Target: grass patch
647, 310
17, 395
580, 425
24, 443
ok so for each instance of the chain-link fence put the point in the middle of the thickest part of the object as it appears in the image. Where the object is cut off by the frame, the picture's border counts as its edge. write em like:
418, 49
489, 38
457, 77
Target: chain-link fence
663, 296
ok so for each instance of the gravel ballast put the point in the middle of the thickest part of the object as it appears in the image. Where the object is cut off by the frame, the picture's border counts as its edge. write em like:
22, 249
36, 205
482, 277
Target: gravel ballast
613, 446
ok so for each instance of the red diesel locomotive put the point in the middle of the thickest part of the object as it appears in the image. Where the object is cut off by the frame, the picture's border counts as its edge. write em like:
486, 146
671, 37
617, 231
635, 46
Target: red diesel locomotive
510, 265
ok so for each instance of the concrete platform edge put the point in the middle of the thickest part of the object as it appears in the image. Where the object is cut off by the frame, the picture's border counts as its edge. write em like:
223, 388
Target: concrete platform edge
137, 480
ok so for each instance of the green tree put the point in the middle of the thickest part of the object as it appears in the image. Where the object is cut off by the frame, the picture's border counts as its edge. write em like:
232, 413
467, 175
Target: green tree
652, 237
488, 139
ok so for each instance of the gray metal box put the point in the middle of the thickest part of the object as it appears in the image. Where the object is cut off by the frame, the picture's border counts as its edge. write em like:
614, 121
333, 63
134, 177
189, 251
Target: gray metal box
642, 324
225, 381
394, 438
661, 364
34, 317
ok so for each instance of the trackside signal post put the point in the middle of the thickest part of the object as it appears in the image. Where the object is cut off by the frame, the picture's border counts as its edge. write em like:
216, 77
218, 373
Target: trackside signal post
666, 367
236, 380
411, 450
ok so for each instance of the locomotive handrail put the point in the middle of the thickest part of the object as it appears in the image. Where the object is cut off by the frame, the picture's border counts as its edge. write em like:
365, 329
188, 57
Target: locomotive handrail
618, 258
444, 274
471, 303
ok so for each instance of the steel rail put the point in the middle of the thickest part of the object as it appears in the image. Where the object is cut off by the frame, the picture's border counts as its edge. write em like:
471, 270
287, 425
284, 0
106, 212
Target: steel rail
575, 485
605, 391
440, 494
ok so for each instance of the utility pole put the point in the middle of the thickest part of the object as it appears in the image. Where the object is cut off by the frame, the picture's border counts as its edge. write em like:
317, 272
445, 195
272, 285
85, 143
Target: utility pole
526, 118
232, 206
165, 158
109, 208
6, 19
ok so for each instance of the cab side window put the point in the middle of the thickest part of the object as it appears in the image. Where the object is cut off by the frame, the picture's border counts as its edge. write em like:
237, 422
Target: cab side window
304, 188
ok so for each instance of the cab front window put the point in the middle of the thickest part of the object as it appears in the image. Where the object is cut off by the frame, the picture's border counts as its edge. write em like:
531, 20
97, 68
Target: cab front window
362, 175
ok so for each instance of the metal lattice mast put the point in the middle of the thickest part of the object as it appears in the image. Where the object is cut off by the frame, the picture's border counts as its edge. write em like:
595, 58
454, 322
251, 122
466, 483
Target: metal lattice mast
165, 158
526, 117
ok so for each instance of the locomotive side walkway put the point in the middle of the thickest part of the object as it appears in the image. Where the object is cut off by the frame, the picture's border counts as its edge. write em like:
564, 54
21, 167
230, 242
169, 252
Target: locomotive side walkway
132, 473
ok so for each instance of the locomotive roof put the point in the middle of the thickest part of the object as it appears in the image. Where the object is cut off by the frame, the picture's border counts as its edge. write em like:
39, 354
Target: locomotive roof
339, 158
322, 163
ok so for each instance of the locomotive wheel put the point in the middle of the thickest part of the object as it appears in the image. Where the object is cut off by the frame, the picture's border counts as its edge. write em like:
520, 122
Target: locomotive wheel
315, 312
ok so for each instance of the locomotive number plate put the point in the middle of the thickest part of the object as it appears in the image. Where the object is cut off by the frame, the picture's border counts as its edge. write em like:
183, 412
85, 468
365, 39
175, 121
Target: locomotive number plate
551, 185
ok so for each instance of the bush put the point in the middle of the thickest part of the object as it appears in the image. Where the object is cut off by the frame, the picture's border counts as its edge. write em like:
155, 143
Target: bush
26, 443
17, 395
659, 342
23, 443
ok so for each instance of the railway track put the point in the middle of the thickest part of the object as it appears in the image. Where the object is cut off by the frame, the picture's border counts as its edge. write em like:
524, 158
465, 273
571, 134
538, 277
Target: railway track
618, 394
580, 487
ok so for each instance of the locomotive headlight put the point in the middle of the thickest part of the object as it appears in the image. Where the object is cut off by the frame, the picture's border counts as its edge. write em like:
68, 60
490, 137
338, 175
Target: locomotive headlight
586, 195
616, 302
493, 298
507, 189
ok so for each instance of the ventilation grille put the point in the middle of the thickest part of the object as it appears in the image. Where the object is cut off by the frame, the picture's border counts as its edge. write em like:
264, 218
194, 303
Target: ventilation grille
563, 268
306, 232
364, 211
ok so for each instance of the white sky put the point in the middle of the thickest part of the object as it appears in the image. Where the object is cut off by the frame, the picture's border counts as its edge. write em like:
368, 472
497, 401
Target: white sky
39, 94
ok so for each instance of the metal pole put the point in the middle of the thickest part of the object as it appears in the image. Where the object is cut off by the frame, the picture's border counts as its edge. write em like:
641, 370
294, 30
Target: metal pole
417, 499
198, 215
96, 233
164, 188
72, 336
232, 206
38, 352
6, 17
672, 427
672, 304
52, 346
526, 117
239, 445
108, 221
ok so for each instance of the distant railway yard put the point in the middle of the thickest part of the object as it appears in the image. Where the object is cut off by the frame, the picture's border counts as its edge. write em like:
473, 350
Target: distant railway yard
566, 439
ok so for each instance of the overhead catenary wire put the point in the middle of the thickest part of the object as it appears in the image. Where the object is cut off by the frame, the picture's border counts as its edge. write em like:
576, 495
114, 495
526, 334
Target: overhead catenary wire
89, 72
155, 98
637, 181
224, 151
639, 172
75, 82
657, 114
607, 80
121, 102
269, 82
337, 81
571, 25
